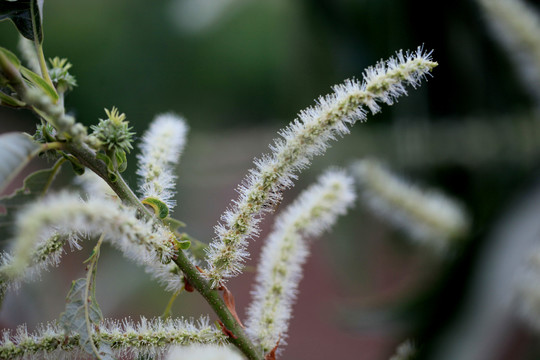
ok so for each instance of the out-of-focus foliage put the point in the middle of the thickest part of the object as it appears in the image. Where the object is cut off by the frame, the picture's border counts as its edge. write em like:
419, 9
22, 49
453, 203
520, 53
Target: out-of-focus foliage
256, 61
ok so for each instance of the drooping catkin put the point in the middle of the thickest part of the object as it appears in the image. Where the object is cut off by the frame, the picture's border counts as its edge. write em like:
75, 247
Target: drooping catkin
284, 253
67, 215
516, 25
426, 215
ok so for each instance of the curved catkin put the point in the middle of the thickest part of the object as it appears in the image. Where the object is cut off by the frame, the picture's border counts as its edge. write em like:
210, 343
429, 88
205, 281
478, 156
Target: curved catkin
515, 25
405, 351
527, 290
67, 215
426, 215
150, 338
161, 147
285, 251
306, 137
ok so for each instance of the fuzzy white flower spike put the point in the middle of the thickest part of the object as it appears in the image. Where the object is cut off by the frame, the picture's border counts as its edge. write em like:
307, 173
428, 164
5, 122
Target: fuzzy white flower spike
427, 216
306, 137
515, 25
527, 291
285, 251
161, 147
405, 351
68, 216
148, 338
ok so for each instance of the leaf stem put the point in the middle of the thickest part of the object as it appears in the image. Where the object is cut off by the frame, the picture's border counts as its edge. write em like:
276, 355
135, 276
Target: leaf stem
55, 170
12, 74
57, 145
90, 282
167, 311
43, 65
38, 43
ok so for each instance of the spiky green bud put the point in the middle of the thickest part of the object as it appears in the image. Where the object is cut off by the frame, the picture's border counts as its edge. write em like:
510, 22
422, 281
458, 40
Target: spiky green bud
114, 132
60, 75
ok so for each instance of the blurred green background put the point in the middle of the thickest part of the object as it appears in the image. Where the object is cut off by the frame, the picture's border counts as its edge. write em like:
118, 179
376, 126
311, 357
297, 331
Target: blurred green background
233, 63
239, 70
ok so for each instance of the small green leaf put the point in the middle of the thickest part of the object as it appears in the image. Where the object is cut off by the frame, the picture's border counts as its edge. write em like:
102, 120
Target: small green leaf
73, 319
6, 100
110, 165
11, 57
75, 163
160, 209
113, 177
121, 159
82, 311
184, 245
106, 159
26, 15
16, 149
36, 80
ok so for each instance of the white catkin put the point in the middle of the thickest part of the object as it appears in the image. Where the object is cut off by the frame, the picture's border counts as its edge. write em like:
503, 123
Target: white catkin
160, 150
167, 275
527, 291
47, 253
147, 337
427, 216
405, 351
306, 137
66, 214
516, 25
285, 251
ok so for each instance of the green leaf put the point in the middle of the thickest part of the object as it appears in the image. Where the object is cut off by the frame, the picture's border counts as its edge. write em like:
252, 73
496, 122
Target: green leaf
110, 165
75, 163
160, 209
107, 160
184, 245
36, 80
35, 185
73, 319
16, 149
6, 100
121, 159
82, 311
11, 57
26, 15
